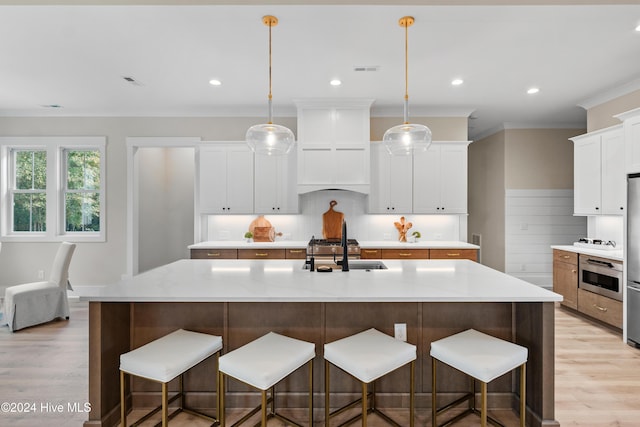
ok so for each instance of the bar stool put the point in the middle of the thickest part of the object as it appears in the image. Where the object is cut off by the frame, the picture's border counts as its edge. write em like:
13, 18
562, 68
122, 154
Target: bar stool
164, 359
367, 356
481, 357
262, 364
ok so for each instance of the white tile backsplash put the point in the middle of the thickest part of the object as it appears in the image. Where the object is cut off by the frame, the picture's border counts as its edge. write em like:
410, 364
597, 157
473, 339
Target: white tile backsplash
361, 225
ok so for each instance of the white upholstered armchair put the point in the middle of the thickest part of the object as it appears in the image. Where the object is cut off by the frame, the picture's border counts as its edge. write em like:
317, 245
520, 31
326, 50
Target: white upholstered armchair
34, 303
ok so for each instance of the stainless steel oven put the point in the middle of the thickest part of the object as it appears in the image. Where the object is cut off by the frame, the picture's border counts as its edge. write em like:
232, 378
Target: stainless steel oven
601, 275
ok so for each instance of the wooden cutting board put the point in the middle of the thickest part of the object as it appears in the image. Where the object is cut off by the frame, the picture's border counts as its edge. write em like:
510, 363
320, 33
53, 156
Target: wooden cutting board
332, 222
260, 221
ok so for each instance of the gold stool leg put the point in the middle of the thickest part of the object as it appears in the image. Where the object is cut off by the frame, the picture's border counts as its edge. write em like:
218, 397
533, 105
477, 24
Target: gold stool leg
411, 396
123, 411
311, 393
165, 404
264, 408
364, 405
523, 394
483, 413
326, 394
221, 399
434, 409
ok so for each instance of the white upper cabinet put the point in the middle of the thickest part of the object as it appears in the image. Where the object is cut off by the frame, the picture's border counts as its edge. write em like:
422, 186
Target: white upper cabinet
391, 182
333, 145
226, 179
631, 126
440, 178
275, 184
599, 176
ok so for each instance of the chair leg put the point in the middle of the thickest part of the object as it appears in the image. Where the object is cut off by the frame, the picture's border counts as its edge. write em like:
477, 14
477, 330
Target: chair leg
434, 409
123, 411
412, 393
483, 413
364, 405
264, 408
221, 399
326, 394
523, 394
311, 393
165, 404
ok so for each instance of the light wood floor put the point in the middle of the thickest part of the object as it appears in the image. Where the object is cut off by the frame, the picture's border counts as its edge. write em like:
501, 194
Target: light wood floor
597, 376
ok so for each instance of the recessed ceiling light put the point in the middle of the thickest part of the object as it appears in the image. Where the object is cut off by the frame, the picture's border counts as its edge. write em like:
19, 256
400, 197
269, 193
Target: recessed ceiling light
638, 28
457, 82
533, 90
215, 82
335, 82
52, 106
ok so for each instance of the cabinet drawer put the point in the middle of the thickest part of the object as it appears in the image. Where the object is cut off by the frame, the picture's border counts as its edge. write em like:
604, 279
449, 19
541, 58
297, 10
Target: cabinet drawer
471, 254
261, 254
295, 253
214, 254
565, 256
405, 253
602, 308
370, 253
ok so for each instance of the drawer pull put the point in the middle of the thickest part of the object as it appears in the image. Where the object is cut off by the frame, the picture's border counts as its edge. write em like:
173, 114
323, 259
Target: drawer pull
295, 251
262, 254
574, 271
603, 309
453, 254
405, 254
566, 256
213, 253
370, 251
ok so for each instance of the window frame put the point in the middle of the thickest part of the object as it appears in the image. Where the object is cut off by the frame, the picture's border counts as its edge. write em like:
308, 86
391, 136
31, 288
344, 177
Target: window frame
56, 148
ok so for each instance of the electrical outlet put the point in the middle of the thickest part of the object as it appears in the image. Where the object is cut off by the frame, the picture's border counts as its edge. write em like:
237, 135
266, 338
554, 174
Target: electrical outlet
40, 274
387, 236
438, 236
400, 331
224, 234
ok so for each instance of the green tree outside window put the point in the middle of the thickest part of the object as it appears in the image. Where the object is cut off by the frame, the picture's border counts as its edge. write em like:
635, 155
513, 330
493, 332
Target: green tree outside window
82, 191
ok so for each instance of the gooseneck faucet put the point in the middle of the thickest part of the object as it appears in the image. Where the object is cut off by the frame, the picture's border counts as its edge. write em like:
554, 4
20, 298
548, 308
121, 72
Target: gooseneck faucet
345, 248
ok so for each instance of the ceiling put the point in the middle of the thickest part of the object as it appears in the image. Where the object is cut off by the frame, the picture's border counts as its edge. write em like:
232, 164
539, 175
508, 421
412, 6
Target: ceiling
76, 57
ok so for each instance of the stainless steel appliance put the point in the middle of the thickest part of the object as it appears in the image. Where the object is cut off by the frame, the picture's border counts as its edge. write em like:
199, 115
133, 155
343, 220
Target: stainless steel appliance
332, 249
633, 260
601, 276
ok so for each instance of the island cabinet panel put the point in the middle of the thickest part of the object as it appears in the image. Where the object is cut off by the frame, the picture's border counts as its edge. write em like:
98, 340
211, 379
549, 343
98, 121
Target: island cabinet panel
405, 253
565, 277
599, 307
371, 253
295, 253
471, 254
214, 253
261, 253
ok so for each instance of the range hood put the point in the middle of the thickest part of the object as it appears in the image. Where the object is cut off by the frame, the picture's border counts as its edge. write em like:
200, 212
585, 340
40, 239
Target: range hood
333, 145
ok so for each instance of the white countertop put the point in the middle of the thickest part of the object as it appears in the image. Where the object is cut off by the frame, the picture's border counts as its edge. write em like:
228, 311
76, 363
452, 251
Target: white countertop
616, 254
286, 281
367, 244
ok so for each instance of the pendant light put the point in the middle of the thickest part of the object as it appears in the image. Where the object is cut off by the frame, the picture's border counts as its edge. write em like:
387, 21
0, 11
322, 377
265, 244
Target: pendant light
406, 138
268, 138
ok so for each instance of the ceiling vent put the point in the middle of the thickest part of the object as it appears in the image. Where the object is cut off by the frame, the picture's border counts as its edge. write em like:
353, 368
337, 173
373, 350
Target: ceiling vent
366, 68
132, 81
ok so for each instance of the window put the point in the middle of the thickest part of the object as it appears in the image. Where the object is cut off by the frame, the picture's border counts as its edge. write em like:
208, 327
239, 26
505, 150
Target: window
53, 188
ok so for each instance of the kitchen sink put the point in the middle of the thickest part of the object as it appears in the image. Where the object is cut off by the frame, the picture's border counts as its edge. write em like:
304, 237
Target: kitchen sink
355, 264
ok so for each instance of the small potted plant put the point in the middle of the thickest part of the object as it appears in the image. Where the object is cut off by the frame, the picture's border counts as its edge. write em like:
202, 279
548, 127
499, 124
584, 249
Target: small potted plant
248, 235
416, 235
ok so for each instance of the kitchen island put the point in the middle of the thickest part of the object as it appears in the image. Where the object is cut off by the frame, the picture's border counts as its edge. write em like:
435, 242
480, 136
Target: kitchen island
244, 299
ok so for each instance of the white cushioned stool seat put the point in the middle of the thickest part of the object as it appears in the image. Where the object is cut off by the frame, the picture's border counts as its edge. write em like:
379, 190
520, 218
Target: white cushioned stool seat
169, 356
164, 359
262, 364
483, 358
367, 356
265, 361
479, 355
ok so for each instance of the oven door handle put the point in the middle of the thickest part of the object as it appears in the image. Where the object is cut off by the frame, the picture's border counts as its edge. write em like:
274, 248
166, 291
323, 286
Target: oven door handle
600, 263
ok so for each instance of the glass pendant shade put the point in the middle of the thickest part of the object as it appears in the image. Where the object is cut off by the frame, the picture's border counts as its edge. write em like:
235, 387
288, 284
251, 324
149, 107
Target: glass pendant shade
270, 139
406, 139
